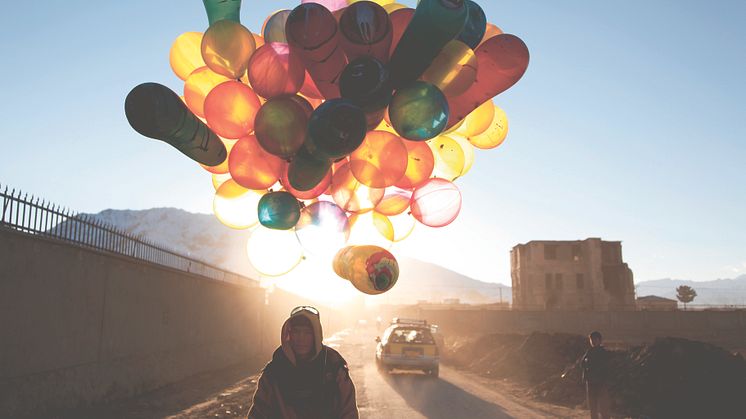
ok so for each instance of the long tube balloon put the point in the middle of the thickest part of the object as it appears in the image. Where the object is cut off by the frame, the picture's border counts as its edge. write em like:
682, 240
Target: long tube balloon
366, 31
434, 24
223, 9
157, 112
313, 32
502, 61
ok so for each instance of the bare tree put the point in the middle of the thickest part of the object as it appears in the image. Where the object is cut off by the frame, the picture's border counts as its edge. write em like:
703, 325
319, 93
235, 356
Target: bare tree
685, 294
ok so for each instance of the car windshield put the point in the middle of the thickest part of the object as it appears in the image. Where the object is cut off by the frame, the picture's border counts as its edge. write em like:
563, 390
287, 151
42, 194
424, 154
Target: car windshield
411, 335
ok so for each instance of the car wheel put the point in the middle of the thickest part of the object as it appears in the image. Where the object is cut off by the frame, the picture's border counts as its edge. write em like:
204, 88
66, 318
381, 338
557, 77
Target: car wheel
434, 373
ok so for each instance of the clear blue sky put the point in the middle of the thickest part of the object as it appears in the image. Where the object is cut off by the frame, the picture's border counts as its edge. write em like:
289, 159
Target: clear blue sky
628, 125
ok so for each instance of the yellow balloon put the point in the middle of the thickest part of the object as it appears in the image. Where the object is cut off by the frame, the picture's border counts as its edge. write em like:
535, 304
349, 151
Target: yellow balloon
380, 2
371, 269
454, 70
371, 228
236, 206
403, 225
468, 150
273, 252
495, 134
392, 7
197, 86
478, 120
219, 179
449, 157
186, 55
227, 47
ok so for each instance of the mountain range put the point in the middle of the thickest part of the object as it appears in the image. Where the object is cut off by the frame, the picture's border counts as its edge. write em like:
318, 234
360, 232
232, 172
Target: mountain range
203, 237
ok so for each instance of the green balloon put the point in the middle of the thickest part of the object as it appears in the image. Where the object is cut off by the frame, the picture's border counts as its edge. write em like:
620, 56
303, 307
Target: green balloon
223, 9
434, 24
280, 125
419, 111
306, 170
155, 111
279, 210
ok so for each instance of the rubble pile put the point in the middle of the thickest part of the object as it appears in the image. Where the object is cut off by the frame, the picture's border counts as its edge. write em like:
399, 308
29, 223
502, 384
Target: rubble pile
671, 377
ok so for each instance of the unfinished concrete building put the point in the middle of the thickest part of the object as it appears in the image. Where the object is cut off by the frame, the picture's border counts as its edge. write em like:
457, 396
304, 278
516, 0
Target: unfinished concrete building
571, 275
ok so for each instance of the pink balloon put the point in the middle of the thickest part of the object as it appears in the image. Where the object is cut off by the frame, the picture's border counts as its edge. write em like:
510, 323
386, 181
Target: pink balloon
436, 203
332, 5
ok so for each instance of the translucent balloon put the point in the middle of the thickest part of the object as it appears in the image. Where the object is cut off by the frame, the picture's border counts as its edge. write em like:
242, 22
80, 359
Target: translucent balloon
434, 24
495, 133
475, 26
364, 82
436, 203
222, 168
380, 161
380, 2
157, 112
478, 120
503, 60
419, 111
370, 269
395, 201
403, 225
399, 21
314, 192
274, 70
280, 126
273, 252
336, 128
185, 55
454, 70
366, 31
420, 164
371, 228
222, 9
278, 210
468, 150
350, 194
230, 109
273, 29
323, 228
227, 47
449, 157
490, 32
220, 178
251, 166
332, 5
198, 85
392, 7
306, 171
235, 206
309, 88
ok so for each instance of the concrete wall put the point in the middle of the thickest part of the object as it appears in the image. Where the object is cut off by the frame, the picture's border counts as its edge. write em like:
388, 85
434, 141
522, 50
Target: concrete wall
724, 328
79, 326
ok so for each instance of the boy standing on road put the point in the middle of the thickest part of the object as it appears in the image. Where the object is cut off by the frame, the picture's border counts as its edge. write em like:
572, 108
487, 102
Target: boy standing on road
595, 365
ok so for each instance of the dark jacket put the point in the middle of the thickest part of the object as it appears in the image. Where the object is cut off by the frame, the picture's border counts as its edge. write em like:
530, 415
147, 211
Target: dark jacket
595, 364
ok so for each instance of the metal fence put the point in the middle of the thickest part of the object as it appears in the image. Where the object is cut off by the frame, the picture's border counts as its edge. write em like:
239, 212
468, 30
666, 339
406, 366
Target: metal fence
29, 215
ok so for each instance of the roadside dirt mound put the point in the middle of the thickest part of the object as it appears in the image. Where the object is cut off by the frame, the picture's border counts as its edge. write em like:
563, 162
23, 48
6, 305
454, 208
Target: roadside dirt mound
670, 378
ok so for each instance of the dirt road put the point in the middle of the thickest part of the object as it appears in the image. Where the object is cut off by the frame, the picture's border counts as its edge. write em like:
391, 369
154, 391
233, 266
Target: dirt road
404, 395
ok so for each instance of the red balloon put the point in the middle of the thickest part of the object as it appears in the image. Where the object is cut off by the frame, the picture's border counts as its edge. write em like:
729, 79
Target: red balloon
436, 203
275, 70
502, 60
399, 21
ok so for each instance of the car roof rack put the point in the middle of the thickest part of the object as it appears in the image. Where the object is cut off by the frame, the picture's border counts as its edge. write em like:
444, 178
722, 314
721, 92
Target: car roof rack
399, 320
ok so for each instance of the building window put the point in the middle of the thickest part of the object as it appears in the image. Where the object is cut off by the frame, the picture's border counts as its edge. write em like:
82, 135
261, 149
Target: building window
558, 281
550, 252
548, 281
580, 281
576, 256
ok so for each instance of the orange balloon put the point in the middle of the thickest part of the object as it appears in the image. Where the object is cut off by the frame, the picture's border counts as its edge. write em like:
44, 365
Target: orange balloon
197, 86
220, 178
351, 195
222, 168
258, 40
275, 70
395, 201
420, 164
495, 134
185, 55
230, 109
478, 120
491, 31
251, 166
226, 48
380, 161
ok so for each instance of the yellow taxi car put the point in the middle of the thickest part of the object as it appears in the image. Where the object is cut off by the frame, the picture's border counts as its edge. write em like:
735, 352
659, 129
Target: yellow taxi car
408, 344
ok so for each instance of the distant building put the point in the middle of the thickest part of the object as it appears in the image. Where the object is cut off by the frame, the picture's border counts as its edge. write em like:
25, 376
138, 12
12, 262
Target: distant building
571, 275
656, 303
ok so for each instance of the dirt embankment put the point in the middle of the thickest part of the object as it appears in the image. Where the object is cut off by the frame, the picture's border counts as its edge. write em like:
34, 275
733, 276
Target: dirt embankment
670, 378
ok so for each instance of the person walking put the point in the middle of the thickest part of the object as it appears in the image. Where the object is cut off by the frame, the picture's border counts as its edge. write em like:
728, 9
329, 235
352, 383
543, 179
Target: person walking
305, 379
595, 367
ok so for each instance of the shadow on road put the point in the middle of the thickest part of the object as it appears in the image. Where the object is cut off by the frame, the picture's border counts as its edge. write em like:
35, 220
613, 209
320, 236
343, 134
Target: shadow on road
437, 398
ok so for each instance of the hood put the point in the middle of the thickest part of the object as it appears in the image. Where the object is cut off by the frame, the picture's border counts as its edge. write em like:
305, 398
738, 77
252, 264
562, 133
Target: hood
318, 335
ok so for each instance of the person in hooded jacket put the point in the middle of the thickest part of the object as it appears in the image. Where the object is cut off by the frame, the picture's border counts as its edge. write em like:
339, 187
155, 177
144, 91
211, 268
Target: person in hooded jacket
305, 379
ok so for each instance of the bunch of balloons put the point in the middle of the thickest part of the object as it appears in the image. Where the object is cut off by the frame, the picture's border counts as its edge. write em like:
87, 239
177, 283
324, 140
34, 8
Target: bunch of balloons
345, 122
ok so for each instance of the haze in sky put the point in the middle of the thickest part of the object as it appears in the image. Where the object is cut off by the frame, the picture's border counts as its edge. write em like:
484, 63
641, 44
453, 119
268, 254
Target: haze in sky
628, 125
